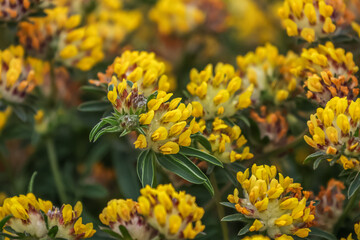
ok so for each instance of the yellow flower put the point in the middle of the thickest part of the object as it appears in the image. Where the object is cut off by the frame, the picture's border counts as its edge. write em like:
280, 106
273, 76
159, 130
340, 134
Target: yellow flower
315, 19
219, 93
120, 212
333, 128
176, 16
278, 206
173, 214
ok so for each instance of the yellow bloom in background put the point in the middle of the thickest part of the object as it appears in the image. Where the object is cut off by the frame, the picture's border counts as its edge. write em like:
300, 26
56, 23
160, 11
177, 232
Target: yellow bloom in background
4, 115
167, 125
227, 143
332, 130
120, 212
269, 71
219, 93
313, 19
176, 16
357, 232
278, 206
256, 237
173, 214
27, 218
113, 23
17, 76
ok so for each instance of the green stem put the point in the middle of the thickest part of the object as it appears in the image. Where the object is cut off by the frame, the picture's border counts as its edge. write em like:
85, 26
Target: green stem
219, 207
349, 206
55, 170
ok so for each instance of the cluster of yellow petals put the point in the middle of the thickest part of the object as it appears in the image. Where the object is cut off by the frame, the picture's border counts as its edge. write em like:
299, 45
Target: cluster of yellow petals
333, 127
167, 122
327, 57
17, 76
125, 213
325, 86
176, 16
258, 67
113, 23
312, 19
225, 140
277, 206
4, 115
27, 217
174, 214
218, 93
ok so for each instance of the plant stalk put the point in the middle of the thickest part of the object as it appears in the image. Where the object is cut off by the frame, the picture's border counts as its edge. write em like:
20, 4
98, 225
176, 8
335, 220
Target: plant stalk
349, 206
55, 170
219, 208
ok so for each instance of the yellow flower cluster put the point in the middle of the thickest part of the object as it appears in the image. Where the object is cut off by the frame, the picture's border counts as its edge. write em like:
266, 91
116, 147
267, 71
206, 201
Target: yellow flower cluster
173, 214
37, 34
266, 63
324, 87
17, 76
14, 10
357, 232
218, 93
81, 47
225, 140
176, 16
278, 206
120, 212
333, 130
327, 57
256, 237
313, 19
137, 67
113, 23
27, 218
167, 125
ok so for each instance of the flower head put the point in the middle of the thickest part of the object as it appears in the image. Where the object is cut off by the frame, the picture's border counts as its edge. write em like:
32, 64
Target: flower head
27, 217
173, 214
218, 93
17, 76
141, 68
120, 212
333, 130
330, 206
278, 206
313, 19
69, 222
166, 124
256, 237
226, 141
176, 16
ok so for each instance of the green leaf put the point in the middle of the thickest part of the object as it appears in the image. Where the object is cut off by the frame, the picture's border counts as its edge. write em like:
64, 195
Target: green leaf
4, 221
245, 229
321, 233
112, 233
20, 112
237, 217
182, 169
31, 183
93, 89
111, 120
125, 233
94, 106
53, 231
140, 163
203, 141
109, 129
318, 161
147, 171
228, 204
354, 185
9, 236
189, 151
313, 156
95, 129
